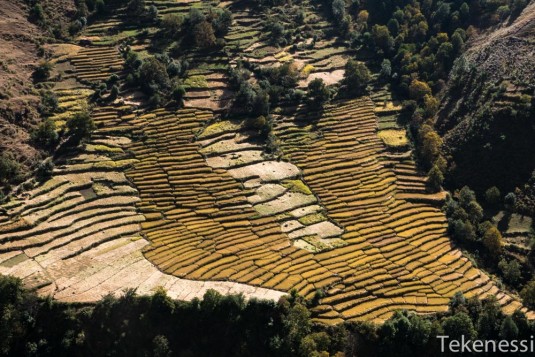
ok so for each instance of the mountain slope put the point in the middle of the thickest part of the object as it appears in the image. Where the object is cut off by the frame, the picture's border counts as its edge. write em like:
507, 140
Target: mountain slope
487, 119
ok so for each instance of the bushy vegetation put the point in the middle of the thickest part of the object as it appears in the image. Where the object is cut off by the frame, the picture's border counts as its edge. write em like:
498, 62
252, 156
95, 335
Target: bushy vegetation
474, 229
159, 326
317, 94
45, 135
79, 127
467, 223
9, 169
356, 77
204, 30
159, 77
219, 325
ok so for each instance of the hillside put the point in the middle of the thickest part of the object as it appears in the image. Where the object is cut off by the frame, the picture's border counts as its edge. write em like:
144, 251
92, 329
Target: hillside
188, 188
487, 117
18, 102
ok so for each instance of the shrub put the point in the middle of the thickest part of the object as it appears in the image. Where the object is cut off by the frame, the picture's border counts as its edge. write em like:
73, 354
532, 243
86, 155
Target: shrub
49, 103
44, 170
114, 93
9, 169
178, 94
37, 14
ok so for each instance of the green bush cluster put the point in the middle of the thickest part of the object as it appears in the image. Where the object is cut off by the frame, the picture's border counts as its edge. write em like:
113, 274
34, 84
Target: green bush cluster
217, 325
159, 77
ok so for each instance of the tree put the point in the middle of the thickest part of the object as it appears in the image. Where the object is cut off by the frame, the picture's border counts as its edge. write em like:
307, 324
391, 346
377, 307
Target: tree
44, 170
172, 24
195, 16
222, 21
510, 201
418, 89
114, 93
492, 240
429, 148
356, 76
386, 69
488, 324
431, 105
161, 346
474, 211
178, 94
459, 325
136, 8
318, 94
80, 126
503, 11
511, 271
508, 329
362, 19
457, 42
463, 231
493, 196
393, 26
382, 38
276, 30
153, 76
339, 10
466, 195
152, 13
457, 302
204, 35
517, 7
528, 294
42, 72
45, 135
435, 178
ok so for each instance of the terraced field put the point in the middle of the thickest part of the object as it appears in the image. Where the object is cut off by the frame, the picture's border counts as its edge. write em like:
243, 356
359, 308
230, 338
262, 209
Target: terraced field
183, 200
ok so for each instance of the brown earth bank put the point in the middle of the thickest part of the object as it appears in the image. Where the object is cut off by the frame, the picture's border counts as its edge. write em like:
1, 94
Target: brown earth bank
20, 49
18, 57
